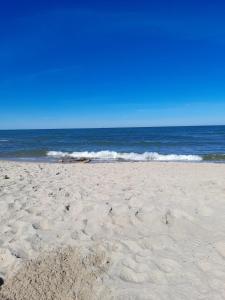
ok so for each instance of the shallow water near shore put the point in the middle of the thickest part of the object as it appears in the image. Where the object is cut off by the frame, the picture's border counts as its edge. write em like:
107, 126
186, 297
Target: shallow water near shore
196, 143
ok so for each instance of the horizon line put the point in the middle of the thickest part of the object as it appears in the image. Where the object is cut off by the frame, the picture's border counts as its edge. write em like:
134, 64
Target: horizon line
119, 127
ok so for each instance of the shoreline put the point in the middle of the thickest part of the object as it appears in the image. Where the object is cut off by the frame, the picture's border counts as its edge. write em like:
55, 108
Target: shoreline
54, 161
159, 225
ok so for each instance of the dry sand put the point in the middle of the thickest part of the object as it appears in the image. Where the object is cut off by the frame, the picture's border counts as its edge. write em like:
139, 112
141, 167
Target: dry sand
112, 231
63, 274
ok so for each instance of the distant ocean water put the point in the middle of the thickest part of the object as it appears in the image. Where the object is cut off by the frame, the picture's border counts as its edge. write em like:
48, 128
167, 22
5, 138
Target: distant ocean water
196, 143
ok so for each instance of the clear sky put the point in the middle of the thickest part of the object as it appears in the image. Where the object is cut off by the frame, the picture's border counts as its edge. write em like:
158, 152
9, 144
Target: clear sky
111, 63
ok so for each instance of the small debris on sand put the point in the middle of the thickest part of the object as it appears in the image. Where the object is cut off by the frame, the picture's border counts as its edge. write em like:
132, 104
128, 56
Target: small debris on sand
67, 207
68, 160
1, 281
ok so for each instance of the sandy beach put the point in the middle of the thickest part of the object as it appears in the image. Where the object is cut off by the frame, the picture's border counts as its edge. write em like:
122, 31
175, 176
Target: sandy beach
112, 231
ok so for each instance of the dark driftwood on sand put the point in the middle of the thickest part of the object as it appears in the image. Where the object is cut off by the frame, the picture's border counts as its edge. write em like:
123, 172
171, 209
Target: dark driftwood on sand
68, 160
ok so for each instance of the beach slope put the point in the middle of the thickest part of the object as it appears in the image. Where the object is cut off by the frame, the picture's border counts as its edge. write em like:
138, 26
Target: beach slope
129, 230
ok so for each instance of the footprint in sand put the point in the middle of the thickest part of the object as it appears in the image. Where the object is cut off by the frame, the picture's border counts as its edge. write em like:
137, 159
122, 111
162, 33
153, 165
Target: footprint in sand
220, 247
129, 275
42, 225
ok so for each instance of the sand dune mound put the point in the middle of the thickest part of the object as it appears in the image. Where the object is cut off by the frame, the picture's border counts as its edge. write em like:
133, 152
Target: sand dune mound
65, 274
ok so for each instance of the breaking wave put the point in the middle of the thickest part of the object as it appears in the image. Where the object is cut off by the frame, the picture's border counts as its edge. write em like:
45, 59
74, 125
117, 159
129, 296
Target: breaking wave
122, 156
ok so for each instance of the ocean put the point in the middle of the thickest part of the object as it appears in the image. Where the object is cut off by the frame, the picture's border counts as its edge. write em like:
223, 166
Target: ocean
194, 143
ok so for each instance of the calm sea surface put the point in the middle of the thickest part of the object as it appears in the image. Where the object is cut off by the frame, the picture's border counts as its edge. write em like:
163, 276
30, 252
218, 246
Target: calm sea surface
132, 144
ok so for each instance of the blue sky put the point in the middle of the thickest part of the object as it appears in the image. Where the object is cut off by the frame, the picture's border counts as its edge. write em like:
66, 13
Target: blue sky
111, 63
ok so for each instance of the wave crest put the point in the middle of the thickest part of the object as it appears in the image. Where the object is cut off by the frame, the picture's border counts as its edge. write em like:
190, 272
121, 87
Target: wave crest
116, 156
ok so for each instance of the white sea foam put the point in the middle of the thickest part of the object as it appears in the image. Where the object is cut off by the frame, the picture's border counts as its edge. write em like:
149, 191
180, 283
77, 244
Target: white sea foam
113, 155
3, 140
